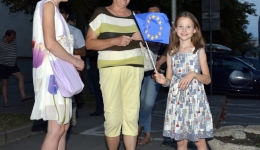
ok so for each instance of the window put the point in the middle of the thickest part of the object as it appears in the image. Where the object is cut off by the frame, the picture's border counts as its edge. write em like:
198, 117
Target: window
228, 63
217, 62
233, 64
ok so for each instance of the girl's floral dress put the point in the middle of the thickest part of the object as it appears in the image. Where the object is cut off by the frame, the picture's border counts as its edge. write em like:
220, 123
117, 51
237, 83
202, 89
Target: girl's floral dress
188, 113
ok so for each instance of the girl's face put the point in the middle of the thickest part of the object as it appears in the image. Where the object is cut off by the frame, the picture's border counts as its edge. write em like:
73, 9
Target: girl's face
185, 28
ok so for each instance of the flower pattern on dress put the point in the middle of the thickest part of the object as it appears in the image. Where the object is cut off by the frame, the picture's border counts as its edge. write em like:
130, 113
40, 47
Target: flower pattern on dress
53, 87
39, 53
66, 42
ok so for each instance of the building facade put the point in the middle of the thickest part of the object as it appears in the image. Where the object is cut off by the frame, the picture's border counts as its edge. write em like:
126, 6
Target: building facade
22, 24
258, 31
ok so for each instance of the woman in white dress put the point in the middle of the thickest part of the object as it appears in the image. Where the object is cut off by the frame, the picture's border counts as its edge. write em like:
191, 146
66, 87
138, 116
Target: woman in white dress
51, 34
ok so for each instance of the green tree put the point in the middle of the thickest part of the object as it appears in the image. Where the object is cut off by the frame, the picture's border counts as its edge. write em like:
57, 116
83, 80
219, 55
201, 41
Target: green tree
82, 8
233, 18
233, 15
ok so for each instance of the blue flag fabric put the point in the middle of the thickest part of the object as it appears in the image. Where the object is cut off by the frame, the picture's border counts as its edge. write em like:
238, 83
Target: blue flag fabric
154, 27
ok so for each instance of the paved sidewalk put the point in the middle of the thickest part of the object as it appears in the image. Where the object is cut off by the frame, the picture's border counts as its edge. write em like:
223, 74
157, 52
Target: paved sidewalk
91, 131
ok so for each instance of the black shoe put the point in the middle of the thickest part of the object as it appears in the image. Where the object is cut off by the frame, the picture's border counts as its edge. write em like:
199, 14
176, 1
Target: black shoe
73, 130
94, 114
77, 113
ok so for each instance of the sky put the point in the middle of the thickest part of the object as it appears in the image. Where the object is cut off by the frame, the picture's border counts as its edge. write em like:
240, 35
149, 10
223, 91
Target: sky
253, 21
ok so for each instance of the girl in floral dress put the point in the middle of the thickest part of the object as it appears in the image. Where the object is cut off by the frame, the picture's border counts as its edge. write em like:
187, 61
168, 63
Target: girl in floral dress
187, 116
51, 34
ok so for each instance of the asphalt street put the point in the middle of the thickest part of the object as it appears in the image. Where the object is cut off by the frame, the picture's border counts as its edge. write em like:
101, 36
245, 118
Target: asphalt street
242, 110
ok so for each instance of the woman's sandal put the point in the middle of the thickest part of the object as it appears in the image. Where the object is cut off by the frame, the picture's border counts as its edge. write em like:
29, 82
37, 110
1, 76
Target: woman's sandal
139, 135
144, 141
6, 104
26, 98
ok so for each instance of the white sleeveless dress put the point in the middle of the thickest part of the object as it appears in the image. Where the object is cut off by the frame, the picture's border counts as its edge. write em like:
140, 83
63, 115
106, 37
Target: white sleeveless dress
49, 103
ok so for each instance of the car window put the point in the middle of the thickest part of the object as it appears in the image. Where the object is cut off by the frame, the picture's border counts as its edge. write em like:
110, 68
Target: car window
228, 63
256, 63
247, 61
217, 62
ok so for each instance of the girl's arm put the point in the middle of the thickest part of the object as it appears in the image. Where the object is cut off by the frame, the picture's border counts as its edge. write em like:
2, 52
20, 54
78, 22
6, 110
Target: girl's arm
169, 67
160, 78
50, 41
205, 76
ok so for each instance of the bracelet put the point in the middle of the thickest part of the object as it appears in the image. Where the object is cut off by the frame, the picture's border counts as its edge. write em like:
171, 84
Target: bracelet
167, 84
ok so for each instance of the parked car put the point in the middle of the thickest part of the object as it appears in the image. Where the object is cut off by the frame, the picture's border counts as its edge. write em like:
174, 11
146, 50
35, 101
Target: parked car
251, 61
231, 74
218, 48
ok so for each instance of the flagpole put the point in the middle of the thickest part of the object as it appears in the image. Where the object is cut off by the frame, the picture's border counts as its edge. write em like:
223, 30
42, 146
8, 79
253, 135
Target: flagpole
150, 55
148, 51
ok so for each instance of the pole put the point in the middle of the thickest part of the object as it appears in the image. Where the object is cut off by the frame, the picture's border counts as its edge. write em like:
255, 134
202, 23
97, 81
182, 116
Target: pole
173, 11
149, 52
210, 30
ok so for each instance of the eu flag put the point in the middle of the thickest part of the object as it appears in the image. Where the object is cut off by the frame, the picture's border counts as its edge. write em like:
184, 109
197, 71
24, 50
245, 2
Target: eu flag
154, 27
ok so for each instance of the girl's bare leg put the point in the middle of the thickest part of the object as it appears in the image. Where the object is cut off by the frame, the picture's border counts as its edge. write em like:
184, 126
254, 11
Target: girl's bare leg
182, 145
53, 136
62, 143
201, 144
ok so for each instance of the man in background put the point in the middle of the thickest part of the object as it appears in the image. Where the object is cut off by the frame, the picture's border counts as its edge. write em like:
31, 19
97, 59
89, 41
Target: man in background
8, 66
79, 49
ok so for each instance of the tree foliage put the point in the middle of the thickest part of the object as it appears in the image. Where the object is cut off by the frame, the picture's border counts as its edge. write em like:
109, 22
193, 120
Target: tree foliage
233, 19
233, 15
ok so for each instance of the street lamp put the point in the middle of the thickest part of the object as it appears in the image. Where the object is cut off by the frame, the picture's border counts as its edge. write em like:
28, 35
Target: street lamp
173, 11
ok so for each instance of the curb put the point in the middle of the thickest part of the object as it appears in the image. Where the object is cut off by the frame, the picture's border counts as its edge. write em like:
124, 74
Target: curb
32, 129
218, 109
22, 132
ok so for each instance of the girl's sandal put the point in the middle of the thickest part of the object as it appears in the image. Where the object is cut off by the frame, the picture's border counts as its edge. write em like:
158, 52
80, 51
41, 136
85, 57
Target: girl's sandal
6, 104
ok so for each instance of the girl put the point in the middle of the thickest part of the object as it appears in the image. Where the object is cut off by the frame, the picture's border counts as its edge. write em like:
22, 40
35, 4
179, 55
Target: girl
187, 115
51, 34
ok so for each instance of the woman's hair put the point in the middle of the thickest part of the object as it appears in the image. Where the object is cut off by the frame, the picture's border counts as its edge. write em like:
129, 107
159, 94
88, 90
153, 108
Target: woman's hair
64, 8
136, 11
197, 39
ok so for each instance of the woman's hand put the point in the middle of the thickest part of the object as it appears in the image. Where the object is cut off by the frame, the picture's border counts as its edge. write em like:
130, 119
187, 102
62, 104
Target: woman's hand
78, 63
137, 36
185, 81
159, 78
77, 56
122, 40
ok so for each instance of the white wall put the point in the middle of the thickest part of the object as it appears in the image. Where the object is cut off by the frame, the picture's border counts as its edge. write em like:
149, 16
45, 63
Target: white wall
23, 27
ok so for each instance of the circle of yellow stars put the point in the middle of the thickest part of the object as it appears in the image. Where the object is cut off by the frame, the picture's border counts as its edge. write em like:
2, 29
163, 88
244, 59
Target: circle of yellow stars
159, 33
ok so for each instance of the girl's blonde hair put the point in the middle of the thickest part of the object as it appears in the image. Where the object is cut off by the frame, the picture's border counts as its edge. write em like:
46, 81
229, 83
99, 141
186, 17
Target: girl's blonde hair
197, 39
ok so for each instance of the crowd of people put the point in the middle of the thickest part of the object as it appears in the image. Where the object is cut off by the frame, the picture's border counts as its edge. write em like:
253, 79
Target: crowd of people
125, 93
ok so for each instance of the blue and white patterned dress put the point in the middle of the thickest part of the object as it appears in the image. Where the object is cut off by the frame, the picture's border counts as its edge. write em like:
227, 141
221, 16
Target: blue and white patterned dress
187, 113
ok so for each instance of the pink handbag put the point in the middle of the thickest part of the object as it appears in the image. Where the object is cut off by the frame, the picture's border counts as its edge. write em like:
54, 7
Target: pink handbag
67, 77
